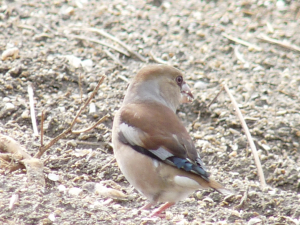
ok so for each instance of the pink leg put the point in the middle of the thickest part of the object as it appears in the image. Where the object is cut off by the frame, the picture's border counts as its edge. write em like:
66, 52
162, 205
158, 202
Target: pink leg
146, 206
158, 211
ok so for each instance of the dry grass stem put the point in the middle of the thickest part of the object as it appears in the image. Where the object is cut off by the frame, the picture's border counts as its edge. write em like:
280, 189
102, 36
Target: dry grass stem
113, 38
100, 43
107, 164
249, 137
114, 58
244, 199
90, 143
284, 44
13, 200
238, 55
80, 87
42, 127
242, 42
158, 60
32, 113
28, 27
87, 102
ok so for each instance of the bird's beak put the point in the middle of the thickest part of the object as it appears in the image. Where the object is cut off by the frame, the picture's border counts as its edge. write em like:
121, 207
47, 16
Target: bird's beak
186, 94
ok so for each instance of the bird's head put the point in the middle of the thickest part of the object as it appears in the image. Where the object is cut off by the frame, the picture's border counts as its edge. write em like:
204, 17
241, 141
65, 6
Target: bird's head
160, 83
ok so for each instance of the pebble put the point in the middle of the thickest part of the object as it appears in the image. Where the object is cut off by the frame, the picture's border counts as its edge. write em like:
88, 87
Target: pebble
53, 177
51, 217
13, 200
61, 188
169, 215
25, 114
87, 64
109, 192
7, 109
9, 106
10, 53
208, 199
254, 221
73, 61
75, 191
200, 85
233, 154
92, 108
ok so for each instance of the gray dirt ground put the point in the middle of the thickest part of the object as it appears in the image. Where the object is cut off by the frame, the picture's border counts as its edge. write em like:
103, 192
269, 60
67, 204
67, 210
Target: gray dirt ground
187, 34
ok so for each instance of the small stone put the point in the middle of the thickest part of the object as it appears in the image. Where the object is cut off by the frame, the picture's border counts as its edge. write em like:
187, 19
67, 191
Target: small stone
199, 195
67, 11
200, 33
200, 85
9, 106
25, 114
10, 53
6, 99
208, 199
73, 61
166, 5
51, 217
92, 108
61, 188
169, 215
13, 200
254, 221
75, 191
233, 154
87, 64
165, 56
109, 192
53, 177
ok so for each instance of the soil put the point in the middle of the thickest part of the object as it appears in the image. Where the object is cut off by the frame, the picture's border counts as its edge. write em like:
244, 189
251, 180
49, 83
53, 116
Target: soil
52, 56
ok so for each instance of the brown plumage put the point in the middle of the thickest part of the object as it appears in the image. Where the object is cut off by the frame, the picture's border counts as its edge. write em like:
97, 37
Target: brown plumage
152, 147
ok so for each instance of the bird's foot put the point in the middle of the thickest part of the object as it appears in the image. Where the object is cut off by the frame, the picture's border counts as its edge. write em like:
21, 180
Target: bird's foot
158, 212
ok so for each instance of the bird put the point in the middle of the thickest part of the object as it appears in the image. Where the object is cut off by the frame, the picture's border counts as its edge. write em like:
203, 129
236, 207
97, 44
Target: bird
152, 147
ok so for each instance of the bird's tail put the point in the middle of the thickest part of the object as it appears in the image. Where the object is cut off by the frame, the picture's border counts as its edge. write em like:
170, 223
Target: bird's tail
219, 187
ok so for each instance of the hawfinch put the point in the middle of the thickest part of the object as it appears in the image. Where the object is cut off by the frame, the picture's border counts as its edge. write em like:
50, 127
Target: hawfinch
152, 147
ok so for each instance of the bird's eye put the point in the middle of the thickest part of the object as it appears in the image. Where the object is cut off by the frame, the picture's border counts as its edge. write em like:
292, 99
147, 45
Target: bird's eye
179, 80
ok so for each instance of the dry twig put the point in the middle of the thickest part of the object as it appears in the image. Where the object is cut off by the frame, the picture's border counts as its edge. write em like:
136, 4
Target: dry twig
215, 98
43, 149
240, 41
91, 127
208, 106
249, 137
14, 156
284, 44
109, 36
